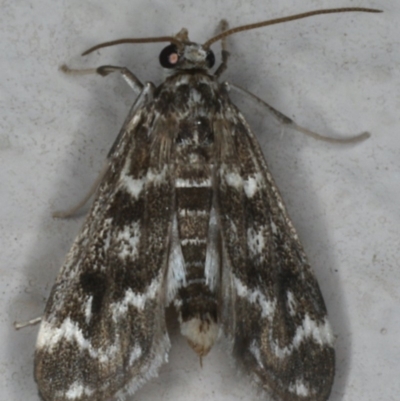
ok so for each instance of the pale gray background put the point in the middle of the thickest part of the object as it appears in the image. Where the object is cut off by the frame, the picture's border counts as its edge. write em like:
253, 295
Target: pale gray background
336, 74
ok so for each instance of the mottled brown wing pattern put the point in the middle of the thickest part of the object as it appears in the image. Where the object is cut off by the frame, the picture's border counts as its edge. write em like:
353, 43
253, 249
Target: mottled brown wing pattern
272, 311
105, 317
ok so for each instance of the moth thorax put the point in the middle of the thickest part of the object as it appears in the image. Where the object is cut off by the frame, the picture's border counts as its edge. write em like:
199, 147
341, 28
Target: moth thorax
200, 333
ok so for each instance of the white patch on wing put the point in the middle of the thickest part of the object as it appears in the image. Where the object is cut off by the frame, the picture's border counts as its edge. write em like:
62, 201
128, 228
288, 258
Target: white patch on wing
255, 296
234, 180
137, 300
88, 309
252, 184
128, 241
320, 333
299, 388
135, 355
193, 241
69, 331
176, 264
256, 242
191, 212
212, 264
149, 368
133, 186
274, 228
192, 183
255, 350
49, 336
291, 303
309, 329
157, 177
77, 390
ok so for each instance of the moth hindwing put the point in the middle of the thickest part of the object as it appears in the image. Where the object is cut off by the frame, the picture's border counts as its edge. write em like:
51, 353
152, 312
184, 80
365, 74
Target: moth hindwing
186, 213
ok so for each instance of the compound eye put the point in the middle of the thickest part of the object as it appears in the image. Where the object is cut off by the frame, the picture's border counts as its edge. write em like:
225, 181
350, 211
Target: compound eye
210, 59
169, 56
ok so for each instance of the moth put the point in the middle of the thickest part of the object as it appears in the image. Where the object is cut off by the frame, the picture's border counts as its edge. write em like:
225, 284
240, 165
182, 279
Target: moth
186, 213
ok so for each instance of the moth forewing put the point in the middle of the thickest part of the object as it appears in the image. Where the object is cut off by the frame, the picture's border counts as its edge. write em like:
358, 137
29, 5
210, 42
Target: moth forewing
187, 213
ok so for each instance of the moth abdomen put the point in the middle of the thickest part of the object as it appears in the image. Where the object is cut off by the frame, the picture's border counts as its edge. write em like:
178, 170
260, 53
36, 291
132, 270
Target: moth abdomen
194, 163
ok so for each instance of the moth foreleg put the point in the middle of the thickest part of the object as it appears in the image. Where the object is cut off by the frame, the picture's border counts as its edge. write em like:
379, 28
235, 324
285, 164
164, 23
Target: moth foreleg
128, 75
31, 322
105, 70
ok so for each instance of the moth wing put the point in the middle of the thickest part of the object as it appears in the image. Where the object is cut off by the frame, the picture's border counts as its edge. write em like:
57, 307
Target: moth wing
103, 328
273, 311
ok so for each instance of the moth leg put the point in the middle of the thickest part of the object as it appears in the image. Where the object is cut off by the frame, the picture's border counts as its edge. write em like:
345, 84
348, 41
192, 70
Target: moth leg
105, 70
31, 322
224, 53
285, 120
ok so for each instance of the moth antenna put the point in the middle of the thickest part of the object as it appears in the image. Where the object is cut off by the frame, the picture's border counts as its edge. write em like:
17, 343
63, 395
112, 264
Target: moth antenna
170, 39
231, 31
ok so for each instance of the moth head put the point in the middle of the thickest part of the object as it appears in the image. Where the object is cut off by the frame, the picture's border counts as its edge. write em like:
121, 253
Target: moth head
185, 55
